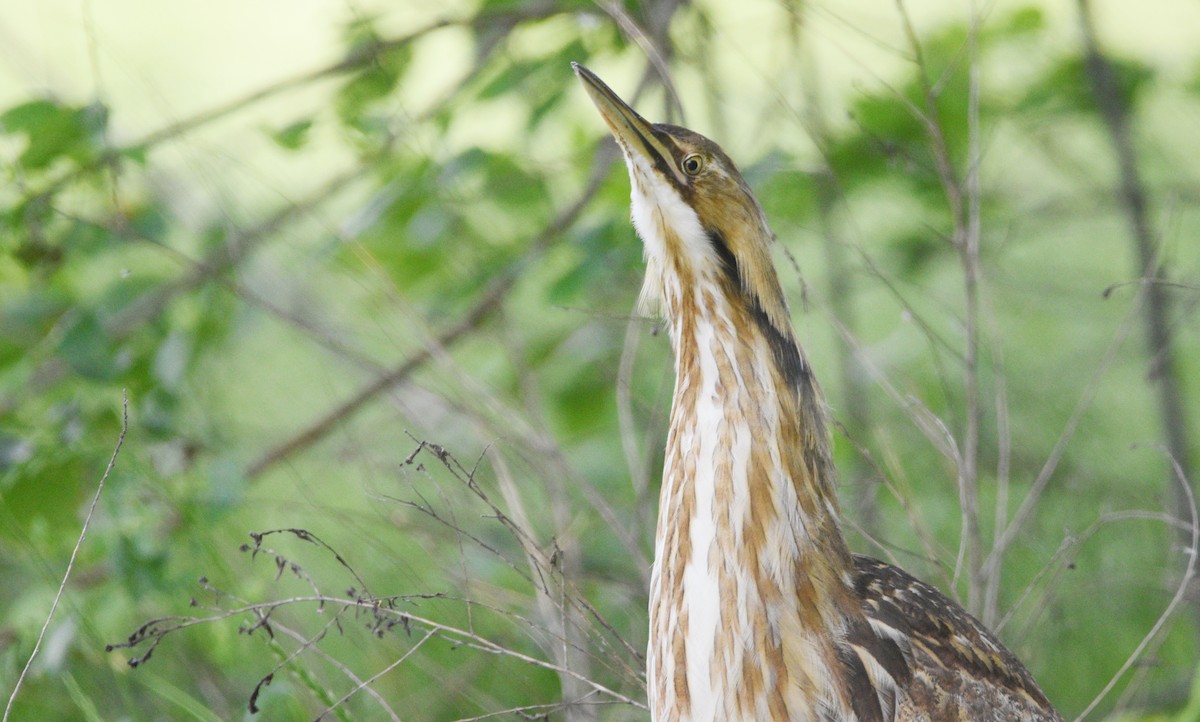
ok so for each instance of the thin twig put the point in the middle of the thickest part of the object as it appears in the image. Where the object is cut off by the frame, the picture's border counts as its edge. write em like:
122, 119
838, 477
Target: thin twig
320, 428
966, 243
456, 635
366, 684
969, 258
1086, 397
1189, 573
655, 52
487, 303
991, 582
539, 572
339, 666
87, 520
1072, 542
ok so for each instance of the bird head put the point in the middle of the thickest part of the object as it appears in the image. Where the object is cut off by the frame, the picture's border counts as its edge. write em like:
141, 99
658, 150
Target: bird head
696, 215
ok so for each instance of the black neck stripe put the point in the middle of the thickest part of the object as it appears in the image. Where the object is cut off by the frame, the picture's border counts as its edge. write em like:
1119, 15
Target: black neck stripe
783, 348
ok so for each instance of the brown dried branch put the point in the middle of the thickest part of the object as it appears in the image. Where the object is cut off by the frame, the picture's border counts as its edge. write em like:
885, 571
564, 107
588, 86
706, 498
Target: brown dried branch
964, 211
488, 302
320, 428
386, 617
541, 567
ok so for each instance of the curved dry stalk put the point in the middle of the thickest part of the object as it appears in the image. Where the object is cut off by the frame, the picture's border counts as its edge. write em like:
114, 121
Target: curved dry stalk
154, 631
87, 520
366, 684
1189, 573
1005, 539
538, 573
650, 43
311, 646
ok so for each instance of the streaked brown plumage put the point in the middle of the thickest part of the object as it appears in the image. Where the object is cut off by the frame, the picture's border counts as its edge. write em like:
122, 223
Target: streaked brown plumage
758, 610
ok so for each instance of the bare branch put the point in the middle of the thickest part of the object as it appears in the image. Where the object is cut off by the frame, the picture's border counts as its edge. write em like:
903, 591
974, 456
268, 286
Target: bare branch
487, 302
320, 428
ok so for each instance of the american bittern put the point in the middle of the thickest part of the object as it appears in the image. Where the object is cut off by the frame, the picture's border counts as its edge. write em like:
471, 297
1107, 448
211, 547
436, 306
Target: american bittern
758, 610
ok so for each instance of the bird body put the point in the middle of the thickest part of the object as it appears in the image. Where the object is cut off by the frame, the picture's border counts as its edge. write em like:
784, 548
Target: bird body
758, 610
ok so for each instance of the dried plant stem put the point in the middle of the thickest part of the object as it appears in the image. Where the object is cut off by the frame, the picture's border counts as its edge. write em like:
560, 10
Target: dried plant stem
366, 684
157, 629
489, 300
969, 255
87, 520
963, 199
1189, 573
1025, 511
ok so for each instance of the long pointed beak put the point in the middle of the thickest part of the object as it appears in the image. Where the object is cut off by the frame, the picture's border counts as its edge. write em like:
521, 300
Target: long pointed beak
634, 133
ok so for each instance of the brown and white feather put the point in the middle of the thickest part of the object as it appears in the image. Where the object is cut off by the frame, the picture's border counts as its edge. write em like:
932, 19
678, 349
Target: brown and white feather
758, 610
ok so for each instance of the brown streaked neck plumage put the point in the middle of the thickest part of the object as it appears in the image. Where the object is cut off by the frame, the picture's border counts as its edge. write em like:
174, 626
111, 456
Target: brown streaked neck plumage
751, 569
758, 611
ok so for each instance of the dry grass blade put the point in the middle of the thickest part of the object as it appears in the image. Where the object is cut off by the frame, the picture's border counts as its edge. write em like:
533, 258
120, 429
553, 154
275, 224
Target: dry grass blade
87, 520
1189, 573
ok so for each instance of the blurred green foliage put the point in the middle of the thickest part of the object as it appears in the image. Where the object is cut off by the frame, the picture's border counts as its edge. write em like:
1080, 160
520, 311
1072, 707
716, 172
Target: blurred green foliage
466, 280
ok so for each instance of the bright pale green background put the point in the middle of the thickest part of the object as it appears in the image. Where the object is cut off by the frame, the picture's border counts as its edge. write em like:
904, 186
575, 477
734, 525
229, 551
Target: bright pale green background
196, 209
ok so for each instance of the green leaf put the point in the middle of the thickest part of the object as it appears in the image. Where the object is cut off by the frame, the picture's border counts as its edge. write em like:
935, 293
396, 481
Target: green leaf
1023, 20
381, 66
55, 131
294, 136
50, 129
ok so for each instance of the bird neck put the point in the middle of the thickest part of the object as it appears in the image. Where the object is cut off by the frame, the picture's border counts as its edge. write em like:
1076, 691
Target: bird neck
747, 417
751, 569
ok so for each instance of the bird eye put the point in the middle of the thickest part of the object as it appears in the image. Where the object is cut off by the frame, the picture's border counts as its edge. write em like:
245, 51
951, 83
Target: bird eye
693, 164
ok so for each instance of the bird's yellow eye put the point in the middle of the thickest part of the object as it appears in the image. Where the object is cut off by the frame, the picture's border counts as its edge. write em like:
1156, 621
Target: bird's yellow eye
692, 164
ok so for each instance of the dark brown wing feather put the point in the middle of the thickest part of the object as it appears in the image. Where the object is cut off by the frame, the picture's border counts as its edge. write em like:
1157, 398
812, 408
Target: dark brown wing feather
957, 669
